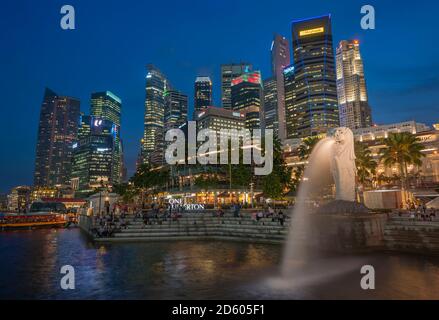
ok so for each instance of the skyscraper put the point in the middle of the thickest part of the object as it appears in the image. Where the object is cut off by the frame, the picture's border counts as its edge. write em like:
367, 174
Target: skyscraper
107, 106
176, 105
229, 72
57, 131
280, 58
291, 118
94, 162
315, 105
351, 87
271, 105
247, 98
152, 142
203, 93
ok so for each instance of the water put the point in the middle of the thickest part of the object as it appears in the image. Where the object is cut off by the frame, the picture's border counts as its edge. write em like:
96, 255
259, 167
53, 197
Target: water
31, 260
316, 174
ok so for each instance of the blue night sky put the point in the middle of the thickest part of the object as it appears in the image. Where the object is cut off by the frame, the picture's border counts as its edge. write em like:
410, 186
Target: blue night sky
114, 40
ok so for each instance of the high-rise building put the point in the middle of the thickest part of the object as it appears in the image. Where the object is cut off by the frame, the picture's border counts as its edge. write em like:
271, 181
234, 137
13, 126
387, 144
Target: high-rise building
19, 199
94, 163
315, 105
57, 131
351, 87
291, 123
107, 106
270, 105
229, 72
280, 59
219, 118
176, 105
247, 98
153, 136
203, 93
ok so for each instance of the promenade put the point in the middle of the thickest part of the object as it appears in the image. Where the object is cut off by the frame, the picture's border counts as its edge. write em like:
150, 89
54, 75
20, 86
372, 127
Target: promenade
195, 226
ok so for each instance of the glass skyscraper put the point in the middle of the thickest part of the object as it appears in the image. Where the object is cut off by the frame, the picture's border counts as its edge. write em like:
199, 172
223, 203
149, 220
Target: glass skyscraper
176, 105
280, 58
247, 98
94, 163
315, 107
203, 93
271, 104
228, 73
107, 106
351, 86
291, 121
57, 132
153, 136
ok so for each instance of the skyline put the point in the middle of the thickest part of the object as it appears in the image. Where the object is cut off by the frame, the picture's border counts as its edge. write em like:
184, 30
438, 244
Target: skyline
123, 71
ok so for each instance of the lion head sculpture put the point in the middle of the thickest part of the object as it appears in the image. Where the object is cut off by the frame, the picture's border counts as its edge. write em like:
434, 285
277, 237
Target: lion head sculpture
343, 163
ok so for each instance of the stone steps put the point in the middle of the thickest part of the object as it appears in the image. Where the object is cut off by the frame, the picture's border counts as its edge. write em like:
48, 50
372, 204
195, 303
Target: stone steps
402, 234
203, 227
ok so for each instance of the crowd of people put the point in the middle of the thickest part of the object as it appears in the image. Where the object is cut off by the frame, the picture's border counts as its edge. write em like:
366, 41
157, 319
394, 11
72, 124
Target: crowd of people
417, 211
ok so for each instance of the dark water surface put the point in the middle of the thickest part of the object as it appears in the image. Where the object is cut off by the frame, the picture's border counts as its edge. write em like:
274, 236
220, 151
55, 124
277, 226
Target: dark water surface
30, 264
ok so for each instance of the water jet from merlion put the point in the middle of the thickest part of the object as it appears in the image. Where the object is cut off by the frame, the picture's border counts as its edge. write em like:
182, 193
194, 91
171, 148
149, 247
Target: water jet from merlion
331, 163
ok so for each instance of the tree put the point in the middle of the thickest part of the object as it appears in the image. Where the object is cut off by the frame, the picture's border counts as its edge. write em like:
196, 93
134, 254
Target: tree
366, 165
307, 146
149, 178
304, 150
402, 149
278, 182
126, 190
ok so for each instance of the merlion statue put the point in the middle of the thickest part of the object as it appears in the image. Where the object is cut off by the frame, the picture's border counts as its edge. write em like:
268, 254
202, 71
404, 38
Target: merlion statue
343, 163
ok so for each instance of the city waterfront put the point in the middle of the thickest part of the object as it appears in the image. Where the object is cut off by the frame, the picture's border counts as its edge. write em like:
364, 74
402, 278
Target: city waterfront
191, 270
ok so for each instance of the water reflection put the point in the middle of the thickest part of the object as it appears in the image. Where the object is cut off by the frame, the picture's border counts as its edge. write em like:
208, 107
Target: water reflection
31, 261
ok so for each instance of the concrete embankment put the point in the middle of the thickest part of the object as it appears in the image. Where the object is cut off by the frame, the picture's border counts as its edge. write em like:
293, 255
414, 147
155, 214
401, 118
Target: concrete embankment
413, 236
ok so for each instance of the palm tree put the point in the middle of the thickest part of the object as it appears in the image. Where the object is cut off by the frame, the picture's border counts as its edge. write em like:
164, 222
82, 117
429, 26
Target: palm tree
366, 165
307, 146
402, 149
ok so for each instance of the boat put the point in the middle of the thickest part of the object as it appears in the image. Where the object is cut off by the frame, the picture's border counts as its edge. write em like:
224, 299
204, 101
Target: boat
41, 215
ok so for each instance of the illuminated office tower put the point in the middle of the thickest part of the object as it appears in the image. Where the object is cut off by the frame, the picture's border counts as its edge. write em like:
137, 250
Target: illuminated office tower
270, 105
247, 98
351, 87
57, 131
290, 112
316, 105
218, 119
176, 105
280, 59
94, 163
107, 106
203, 93
229, 72
153, 138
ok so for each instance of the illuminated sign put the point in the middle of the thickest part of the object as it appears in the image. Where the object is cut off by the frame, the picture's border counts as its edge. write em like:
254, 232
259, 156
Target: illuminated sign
75, 145
97, 123
201, 114
237, 114
178, 203
309, 32
289, 69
